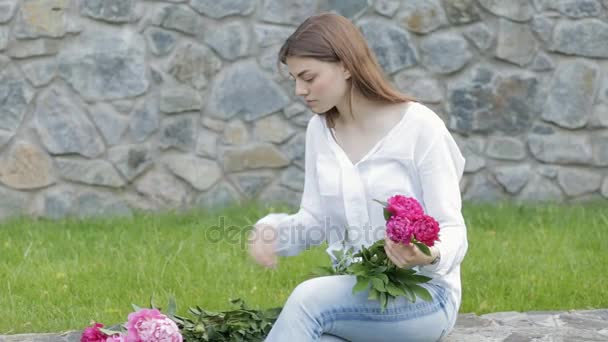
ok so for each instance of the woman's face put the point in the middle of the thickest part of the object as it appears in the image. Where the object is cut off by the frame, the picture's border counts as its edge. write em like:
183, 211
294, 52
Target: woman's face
321, 84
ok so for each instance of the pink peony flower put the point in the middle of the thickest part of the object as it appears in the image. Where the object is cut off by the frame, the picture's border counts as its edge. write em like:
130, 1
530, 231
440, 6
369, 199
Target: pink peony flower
93, 334
404, 206
399, 229
116, 338
426, 230
149, 325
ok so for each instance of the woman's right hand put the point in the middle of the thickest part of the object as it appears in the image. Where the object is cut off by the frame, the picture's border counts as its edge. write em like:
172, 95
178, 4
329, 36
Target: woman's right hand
262, 244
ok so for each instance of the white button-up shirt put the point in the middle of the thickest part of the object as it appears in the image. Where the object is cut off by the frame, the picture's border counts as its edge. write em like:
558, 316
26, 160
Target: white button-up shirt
416, 158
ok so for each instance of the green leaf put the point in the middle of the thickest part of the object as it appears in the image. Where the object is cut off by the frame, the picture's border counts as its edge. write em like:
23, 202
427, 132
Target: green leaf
405, 278
395, 291
405, 272
382, 277
152, 305
366, 253
361, 285
135, 307
108, 331
383, 300
357, 267
373, 294
381, 269
419, 279
387, 214
239, 302
172, 306
422, 293
383, 203
378, 284
409, 293
423, 248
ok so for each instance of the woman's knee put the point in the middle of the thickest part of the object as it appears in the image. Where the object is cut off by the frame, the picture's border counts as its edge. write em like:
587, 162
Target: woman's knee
307, 290
319, 290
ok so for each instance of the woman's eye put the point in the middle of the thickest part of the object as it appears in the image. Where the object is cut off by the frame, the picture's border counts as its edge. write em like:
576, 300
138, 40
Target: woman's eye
310, 79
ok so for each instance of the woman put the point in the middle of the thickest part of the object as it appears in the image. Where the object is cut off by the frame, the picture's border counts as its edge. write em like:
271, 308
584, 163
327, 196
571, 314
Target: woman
367, 142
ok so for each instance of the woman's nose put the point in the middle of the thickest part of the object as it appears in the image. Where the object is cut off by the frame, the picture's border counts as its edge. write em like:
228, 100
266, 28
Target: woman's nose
301, 89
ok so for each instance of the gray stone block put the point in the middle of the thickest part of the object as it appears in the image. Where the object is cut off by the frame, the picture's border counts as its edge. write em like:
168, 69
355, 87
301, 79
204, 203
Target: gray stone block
386, 8
561, 148
350, 9
516, 10
114, 11
178, 133
421, 16
145, 119
91, 172
107, 64
7, 10
194, 64
131, 160
160, 41
515, 43
244, 91
220, 9
579, 81
200, 173
481, 35
292, 12
581, 38
41, 18
111, 124
461, 11
513, 178
445, 53
231, 40
576, 182
15, 96
392, 45
64, 127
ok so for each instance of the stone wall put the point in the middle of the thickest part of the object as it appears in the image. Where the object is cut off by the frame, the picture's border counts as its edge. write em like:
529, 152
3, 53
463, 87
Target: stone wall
107, 106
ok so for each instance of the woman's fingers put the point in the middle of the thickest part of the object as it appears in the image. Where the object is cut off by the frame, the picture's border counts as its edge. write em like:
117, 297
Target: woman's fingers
262, 247
402, 255
389, 247
262, 256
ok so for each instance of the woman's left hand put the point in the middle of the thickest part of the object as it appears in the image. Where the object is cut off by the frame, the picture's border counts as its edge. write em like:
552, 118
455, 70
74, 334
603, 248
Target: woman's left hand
405, 256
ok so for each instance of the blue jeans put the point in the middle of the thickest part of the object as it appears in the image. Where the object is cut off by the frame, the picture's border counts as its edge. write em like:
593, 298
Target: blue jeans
324, 309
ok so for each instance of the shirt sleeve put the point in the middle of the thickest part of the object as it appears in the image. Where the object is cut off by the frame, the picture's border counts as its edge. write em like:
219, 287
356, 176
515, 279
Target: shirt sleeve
303, 229
440, 169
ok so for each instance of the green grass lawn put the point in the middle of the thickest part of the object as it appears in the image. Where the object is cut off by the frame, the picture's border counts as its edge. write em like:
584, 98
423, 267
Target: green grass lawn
59, 275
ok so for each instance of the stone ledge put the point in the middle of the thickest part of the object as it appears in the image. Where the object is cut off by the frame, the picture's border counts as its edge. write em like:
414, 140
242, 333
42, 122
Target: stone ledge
574, 325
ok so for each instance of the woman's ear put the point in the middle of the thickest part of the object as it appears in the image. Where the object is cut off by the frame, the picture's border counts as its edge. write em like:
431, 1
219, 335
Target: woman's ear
345, 71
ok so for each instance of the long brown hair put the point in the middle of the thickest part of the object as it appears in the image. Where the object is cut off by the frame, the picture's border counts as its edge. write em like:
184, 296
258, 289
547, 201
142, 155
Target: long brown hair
333, 38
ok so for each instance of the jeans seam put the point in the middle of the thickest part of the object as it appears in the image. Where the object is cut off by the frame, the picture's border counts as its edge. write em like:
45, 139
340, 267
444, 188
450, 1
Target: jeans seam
390, 315
408, 312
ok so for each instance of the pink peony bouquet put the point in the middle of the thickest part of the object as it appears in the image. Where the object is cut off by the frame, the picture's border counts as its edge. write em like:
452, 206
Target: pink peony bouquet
151, 325
94, 334
144, 325
407, 223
